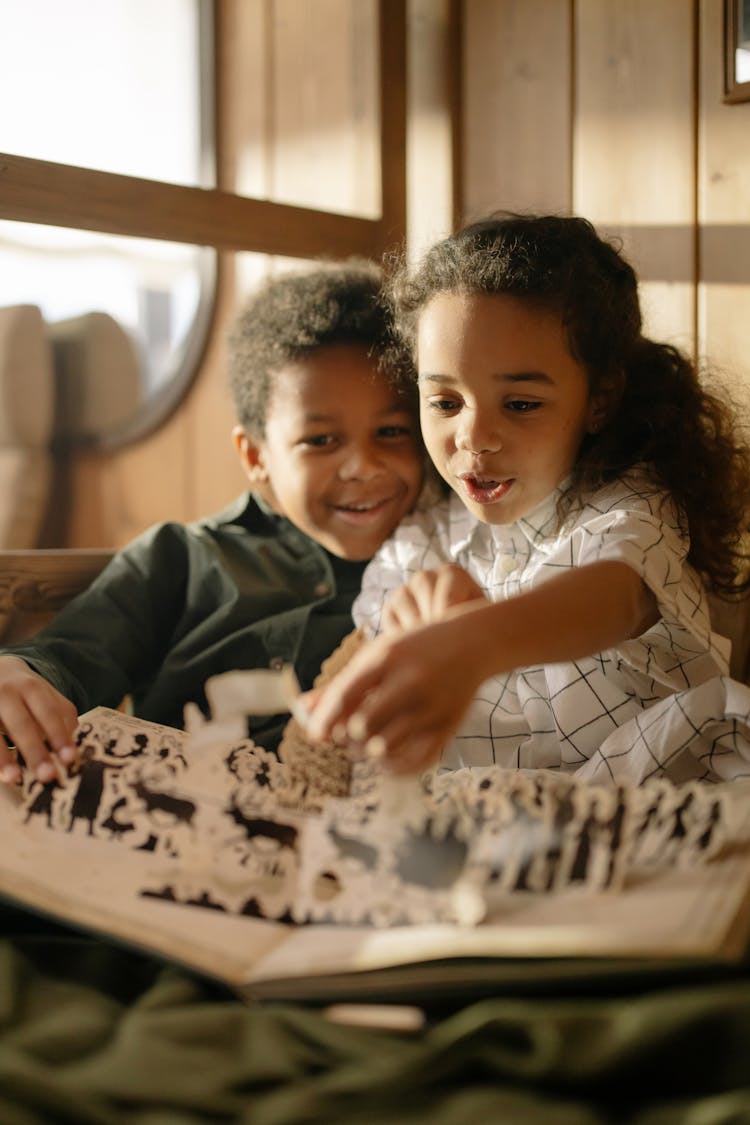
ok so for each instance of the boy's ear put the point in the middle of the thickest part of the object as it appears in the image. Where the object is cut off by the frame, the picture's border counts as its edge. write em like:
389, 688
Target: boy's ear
250, 454
605, 401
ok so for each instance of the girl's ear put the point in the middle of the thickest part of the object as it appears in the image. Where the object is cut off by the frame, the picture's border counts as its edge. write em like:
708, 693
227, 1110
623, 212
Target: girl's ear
605, 401
251, 456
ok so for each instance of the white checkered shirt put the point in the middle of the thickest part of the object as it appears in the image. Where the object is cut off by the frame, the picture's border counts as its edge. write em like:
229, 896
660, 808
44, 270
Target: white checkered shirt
589, 715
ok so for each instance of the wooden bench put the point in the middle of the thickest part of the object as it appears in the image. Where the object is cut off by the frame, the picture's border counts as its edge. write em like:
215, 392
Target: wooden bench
35, 584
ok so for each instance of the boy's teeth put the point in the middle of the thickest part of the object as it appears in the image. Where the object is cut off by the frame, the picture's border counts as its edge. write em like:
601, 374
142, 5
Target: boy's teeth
360, 507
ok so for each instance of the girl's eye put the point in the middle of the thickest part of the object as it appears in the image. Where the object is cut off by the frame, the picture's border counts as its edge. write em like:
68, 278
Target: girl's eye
443, 405
522, 405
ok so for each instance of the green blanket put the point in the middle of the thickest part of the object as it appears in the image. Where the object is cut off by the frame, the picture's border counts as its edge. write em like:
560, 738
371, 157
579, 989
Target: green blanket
93, 1033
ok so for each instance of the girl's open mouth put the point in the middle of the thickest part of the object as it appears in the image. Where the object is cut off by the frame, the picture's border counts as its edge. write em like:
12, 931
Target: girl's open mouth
485, 490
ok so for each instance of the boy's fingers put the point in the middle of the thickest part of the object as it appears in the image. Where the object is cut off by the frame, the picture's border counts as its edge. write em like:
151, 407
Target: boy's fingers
58, 726
29, 738
10, 771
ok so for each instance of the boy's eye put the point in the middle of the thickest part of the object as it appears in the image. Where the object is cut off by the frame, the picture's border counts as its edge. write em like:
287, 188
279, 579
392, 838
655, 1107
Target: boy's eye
522, 405
393, 432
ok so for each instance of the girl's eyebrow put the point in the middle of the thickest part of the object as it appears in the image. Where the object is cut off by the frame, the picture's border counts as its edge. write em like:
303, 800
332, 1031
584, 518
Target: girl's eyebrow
526, 377
504, 376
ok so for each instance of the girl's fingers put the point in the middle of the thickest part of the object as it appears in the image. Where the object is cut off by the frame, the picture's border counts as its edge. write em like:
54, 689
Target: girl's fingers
423, 587
339, 700
454, 586
403, 749
400, 611
416, 755
392, 710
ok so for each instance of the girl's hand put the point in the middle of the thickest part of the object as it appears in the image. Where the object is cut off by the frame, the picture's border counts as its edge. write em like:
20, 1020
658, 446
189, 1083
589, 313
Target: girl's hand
36, 719
427, 596
404, 694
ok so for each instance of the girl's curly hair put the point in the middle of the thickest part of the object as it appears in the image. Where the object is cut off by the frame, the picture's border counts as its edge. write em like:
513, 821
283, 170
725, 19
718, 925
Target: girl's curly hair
665, 416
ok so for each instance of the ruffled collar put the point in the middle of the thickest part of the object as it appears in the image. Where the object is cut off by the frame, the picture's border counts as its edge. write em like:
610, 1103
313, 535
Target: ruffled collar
538, 527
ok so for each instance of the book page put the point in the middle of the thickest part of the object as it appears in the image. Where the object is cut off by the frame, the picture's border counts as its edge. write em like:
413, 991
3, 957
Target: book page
233, 828
703, 912
97, 885
230, 862
700, 913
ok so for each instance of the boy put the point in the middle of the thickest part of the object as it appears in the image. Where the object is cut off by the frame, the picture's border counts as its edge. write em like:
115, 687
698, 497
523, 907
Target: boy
329, 442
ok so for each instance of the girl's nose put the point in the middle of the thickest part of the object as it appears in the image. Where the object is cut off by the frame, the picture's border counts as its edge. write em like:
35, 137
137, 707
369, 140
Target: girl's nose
477, 435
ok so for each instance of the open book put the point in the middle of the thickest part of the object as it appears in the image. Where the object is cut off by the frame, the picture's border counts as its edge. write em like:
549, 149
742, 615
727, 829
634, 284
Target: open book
315, 876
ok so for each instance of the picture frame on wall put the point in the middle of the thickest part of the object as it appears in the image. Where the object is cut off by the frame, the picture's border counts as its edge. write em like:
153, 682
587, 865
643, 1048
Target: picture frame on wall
736, 51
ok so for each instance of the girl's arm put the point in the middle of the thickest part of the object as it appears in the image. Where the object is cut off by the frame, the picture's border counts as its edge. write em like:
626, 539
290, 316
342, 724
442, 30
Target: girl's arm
407, 691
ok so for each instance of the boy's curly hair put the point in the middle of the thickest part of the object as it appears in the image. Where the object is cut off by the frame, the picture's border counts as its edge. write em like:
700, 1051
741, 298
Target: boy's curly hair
666, 417
298, 312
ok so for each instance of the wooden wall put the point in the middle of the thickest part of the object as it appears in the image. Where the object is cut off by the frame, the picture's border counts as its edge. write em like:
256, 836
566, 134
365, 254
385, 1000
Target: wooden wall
608, 108
614, 111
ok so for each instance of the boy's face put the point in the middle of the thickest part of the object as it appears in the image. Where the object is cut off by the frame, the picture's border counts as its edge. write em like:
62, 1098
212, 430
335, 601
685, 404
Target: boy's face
504, 406
341, 456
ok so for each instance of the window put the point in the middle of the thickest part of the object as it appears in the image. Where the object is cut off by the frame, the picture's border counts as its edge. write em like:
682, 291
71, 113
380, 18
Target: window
106, 188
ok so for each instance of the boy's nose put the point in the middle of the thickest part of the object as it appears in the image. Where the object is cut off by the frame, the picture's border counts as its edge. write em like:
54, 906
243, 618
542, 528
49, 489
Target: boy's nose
360, 463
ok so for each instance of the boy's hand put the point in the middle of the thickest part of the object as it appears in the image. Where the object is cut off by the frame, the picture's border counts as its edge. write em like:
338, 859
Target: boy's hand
36, 719
404, 694
427, 597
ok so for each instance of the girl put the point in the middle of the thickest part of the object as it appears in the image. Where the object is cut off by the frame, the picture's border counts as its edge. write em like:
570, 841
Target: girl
552, 611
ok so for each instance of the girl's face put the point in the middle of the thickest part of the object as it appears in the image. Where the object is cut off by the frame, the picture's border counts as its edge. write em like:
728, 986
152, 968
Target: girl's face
503, 404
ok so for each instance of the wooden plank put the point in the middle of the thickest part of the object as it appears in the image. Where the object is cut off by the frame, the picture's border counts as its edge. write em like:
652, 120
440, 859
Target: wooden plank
517, 105
433, 89
634, 145
43, 581
724, 194
241, 97
392, 35
38, 191
324, 106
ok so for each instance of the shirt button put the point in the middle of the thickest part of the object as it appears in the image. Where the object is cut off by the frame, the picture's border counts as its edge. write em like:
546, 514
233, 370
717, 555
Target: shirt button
322, 590
508, 565
276, 662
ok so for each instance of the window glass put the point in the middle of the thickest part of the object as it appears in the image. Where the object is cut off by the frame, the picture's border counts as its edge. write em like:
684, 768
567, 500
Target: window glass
108, 84
118, 86
115, 295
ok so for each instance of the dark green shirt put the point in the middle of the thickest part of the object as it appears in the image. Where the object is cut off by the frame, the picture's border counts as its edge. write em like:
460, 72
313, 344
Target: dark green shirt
182, 602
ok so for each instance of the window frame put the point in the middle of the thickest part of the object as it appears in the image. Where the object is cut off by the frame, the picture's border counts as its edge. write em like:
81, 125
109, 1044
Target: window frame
52, 194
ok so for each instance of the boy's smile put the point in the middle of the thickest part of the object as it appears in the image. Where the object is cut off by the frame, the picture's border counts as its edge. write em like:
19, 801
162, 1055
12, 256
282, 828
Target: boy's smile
504, 406
341, 456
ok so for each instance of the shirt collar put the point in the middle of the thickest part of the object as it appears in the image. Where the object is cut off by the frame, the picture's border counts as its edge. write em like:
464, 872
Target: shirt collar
537, 527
